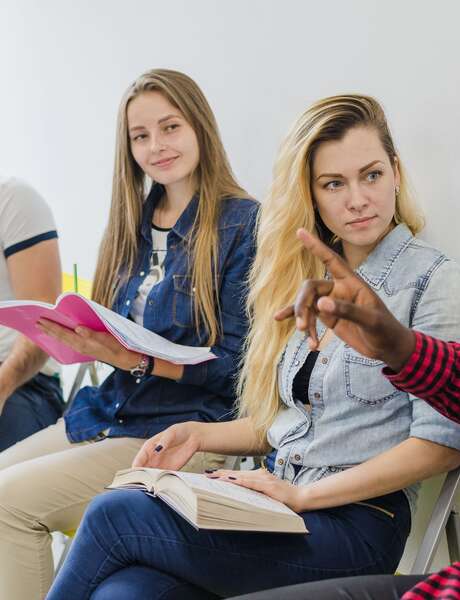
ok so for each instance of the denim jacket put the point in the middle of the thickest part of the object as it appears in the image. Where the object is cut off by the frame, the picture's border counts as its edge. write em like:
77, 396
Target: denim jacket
127, 406
356, 413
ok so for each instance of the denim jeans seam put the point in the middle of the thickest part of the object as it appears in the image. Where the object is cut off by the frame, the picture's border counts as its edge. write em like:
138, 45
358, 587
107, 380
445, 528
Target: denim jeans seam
230, 553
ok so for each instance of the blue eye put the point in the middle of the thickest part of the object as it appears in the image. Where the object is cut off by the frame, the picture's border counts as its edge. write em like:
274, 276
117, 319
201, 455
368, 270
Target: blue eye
332, 185
373, 176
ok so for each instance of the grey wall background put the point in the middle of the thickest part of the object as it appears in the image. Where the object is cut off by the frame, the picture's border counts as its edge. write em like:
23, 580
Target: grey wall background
65, 63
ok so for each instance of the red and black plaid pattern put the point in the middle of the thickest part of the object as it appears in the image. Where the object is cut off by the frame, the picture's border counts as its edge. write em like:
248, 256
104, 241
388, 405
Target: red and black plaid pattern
432, 373
444, 584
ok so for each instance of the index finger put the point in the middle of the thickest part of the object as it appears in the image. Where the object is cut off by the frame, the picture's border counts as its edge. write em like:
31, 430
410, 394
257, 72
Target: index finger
336, 266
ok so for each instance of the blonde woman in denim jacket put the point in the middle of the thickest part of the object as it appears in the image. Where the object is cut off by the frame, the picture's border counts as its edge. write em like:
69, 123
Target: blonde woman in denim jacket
347, 448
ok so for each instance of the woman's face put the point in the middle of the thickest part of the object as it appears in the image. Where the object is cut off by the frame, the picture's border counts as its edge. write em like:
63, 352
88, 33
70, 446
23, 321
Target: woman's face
353, 186
162, 142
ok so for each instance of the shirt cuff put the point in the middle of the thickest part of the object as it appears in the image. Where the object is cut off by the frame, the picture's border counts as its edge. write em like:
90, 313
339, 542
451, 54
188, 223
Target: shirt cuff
410, 368
194, 374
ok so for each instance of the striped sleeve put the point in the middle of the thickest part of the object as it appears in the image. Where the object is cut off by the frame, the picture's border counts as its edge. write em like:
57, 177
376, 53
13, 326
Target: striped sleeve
444, 584
433, 374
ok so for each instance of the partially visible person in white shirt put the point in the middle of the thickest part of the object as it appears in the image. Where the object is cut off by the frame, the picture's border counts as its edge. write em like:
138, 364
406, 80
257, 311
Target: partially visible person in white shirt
30, 390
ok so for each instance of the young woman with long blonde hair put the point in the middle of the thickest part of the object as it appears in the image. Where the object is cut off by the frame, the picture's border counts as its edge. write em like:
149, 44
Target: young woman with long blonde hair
346, 448
175, 260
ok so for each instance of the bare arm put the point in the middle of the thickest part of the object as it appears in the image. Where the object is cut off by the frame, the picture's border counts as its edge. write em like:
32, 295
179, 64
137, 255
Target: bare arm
35, 274
172, 448
411, 461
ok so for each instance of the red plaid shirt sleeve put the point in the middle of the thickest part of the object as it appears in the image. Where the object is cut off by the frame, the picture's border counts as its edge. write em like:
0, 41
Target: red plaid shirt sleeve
433, 374
444, 584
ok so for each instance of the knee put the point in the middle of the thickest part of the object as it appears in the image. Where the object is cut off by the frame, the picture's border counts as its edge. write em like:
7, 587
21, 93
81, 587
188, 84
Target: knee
122, 511
112, 507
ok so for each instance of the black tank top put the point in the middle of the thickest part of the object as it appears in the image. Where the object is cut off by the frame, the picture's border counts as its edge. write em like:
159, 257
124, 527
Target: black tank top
302, 379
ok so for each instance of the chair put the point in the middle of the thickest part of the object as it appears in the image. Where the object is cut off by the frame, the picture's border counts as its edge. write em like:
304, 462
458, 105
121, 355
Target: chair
83, 369
443, 517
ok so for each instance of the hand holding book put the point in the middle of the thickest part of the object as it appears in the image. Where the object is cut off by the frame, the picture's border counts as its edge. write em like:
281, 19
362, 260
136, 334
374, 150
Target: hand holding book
61, 340
105, 348
175, 446
102, 346
207, 504
261, 480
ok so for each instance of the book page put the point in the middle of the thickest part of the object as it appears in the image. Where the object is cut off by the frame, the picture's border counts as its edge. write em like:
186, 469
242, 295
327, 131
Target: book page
142, 340
130, 334
136, 478
233, 492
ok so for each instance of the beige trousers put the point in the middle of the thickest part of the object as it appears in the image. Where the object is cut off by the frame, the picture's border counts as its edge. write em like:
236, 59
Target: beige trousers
45, 485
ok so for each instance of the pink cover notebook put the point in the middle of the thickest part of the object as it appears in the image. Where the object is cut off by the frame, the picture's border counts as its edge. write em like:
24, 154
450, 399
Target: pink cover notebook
71, 313
72, 310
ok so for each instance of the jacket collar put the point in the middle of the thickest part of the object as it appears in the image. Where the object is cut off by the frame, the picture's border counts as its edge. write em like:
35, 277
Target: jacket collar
184, 223
376, 268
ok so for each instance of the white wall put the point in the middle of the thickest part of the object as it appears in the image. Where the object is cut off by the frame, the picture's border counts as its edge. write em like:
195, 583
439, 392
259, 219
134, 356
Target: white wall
65, 63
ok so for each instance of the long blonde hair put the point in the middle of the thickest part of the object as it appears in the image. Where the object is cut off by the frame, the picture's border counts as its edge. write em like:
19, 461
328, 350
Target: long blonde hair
281, 262
119, 248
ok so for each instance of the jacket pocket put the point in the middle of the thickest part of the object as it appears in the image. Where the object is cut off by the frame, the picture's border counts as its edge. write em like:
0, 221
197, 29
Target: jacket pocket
364, 380
183, 301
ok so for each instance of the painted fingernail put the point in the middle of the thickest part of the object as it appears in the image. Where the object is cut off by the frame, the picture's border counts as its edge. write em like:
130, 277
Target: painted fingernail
214, 477
158, 448
210, 470
232, 478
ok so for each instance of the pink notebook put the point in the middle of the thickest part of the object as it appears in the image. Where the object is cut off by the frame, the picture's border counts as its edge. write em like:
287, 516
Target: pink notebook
72, 310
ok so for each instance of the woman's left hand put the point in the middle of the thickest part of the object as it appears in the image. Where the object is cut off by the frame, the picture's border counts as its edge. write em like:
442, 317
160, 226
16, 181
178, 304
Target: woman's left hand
102, 346
263, 481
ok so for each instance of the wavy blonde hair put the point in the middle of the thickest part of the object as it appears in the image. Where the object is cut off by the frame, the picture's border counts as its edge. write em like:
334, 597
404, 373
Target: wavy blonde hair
119, 247
282, 263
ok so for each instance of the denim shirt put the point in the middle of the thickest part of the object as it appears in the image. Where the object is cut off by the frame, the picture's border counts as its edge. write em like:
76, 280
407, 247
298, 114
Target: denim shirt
356, 413
132, 407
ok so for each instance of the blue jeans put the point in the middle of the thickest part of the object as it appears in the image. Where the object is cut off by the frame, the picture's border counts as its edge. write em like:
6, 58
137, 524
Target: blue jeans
33, 406
132, 546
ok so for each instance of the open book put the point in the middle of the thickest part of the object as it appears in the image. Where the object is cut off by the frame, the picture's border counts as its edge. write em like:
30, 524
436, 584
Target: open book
211, 503
72, 310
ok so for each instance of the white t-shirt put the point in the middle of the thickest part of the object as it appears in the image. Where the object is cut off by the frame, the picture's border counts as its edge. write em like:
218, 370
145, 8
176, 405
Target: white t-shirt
155, 275
25, 220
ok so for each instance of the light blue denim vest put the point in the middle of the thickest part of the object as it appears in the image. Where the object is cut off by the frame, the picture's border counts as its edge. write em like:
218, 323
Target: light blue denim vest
356, 413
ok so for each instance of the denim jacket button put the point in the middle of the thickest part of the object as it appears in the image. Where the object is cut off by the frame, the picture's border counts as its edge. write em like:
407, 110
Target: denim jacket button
280, 461
150, 302
317, 395
142, 273
128, 302
117, 405
324, 360
296, 363
297, 457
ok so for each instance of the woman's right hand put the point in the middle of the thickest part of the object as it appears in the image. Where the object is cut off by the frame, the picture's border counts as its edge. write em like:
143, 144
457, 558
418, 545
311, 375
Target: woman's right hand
170, 449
